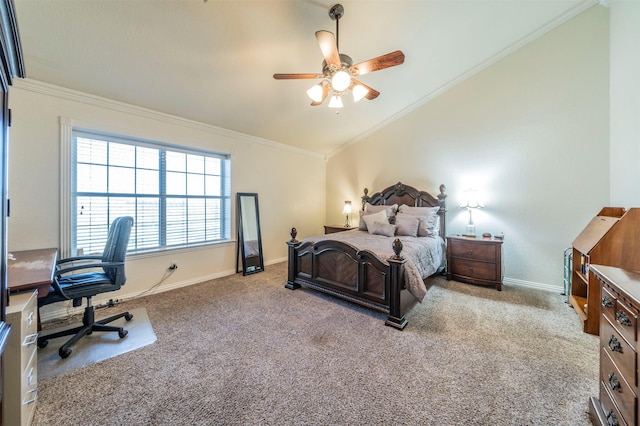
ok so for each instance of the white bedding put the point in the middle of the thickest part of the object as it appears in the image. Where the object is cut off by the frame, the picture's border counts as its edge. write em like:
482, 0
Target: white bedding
424, 254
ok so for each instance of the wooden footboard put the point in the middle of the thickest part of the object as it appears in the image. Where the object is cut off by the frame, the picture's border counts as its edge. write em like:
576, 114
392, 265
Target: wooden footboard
359, 276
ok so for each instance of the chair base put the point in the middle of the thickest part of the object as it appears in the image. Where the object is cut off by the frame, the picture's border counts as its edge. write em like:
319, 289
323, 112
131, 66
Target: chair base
89, 325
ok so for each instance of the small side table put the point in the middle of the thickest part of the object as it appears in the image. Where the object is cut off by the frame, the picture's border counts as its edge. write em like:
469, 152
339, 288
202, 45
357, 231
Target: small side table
331, 229
475, 260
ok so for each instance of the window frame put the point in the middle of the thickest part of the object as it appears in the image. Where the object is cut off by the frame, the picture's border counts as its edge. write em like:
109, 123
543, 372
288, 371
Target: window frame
69, 132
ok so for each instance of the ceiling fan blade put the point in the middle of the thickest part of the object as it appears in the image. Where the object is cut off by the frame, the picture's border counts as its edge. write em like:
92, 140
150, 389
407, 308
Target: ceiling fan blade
381, 62
295, 76
329, 47
372, 94
325, 92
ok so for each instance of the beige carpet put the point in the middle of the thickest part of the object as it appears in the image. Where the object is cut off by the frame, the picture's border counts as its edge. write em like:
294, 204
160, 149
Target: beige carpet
97, 346
245, 350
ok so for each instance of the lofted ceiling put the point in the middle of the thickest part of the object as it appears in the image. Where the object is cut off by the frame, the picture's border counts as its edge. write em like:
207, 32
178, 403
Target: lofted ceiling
213, 61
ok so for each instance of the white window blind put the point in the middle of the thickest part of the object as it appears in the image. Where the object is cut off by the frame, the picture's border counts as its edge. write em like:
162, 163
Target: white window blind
177, 196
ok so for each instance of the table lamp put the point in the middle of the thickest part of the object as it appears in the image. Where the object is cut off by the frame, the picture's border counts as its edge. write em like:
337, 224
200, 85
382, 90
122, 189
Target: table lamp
347, 212
471, 202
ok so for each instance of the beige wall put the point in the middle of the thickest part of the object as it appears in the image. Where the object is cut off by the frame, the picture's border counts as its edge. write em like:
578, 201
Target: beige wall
257, 166
625, 103
530, 131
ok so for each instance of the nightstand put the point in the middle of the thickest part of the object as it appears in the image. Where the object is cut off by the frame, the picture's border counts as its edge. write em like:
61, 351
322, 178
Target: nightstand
330, 229
475, 260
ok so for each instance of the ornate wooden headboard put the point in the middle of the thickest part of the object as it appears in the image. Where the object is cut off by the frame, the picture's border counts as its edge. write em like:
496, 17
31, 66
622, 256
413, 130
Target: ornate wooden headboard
404, 194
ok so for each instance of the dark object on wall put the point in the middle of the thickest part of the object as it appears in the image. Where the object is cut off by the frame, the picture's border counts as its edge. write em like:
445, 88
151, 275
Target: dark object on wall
249, 248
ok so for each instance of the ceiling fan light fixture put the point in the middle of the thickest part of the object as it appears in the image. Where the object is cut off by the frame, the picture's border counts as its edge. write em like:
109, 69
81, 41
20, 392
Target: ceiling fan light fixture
340, 81
315, 93
335, 101
359, 92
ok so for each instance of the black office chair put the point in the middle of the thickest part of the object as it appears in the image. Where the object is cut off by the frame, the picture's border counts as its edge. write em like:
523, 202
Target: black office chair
77, 286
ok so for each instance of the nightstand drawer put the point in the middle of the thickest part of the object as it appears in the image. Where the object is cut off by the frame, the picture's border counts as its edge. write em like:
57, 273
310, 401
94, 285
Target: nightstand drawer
471, 268
473, 251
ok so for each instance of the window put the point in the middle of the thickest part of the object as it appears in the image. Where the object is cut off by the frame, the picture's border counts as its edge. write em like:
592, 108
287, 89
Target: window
177, 196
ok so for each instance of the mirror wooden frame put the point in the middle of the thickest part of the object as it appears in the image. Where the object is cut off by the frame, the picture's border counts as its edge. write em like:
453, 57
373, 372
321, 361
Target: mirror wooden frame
249, 247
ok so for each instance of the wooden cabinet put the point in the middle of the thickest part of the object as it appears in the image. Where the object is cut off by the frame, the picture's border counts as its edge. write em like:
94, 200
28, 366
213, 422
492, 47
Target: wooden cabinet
476, 261
617, 402
330, 229
21, 359
612, 238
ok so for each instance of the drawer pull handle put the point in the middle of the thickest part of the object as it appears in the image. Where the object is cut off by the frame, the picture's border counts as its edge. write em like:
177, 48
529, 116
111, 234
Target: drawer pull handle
623, 319
34, 393
606, 302
30, 339
614, 382
611, 418
614, 344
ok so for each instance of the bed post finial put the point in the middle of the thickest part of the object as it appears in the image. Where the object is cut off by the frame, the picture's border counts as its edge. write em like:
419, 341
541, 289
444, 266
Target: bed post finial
365, 198
397, 248
294, 233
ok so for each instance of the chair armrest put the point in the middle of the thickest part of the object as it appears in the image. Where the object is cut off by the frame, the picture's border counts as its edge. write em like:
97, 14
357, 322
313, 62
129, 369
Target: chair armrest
89, 266
78, 259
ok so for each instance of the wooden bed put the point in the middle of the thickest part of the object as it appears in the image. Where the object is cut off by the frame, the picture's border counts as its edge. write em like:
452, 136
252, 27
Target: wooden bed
360, 276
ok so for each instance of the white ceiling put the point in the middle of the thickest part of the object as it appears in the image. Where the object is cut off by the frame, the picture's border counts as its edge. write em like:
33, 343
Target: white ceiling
213, 61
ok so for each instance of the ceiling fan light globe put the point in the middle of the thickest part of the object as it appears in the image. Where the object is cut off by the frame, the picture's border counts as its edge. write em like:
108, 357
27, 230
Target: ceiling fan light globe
335, 101
359, 92
340, 81
315, 93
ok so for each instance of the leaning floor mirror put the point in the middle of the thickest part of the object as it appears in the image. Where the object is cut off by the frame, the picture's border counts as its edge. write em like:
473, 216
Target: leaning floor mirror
249, 248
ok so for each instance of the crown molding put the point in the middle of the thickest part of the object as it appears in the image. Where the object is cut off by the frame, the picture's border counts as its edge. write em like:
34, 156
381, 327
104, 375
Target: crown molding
60, 92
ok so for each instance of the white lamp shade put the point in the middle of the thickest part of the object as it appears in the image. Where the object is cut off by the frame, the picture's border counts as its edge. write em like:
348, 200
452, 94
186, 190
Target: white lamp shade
347, 207
315, 93
359, 92
335, 102
340, 81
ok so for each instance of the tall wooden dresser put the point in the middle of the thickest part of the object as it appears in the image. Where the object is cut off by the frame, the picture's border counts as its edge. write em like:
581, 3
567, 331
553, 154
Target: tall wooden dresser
21, 359
617, 403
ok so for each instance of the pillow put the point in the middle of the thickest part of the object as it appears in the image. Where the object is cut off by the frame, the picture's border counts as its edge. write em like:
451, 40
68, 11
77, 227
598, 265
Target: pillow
428, 218
380, 228
369, 219
407, 224
391, 210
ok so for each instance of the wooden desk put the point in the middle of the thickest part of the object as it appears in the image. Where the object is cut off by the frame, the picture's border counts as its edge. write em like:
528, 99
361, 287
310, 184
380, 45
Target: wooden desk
31, 269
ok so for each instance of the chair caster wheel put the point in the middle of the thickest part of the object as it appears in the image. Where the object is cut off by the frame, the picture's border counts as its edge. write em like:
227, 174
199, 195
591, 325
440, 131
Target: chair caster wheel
43, 343
122, 333
128, 317
64, 353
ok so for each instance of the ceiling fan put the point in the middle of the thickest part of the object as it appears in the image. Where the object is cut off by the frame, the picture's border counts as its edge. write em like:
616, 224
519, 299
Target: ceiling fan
338, 71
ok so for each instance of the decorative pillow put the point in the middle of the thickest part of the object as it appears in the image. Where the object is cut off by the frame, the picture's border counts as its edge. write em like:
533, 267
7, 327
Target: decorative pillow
370, 218
407, 224
391, 210
380, 228
428, 218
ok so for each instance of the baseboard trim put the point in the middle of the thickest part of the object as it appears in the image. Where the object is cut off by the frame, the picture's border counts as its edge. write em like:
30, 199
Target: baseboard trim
534, 285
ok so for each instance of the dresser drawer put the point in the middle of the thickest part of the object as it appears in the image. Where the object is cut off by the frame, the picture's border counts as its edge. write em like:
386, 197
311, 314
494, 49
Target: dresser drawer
626, 322
621, 392
623, 355
610, 409
608, 301
473, 250
470, 268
